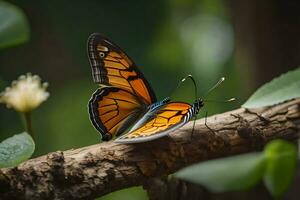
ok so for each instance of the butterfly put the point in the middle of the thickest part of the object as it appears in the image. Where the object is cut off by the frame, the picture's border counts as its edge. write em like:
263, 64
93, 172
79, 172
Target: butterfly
125, 101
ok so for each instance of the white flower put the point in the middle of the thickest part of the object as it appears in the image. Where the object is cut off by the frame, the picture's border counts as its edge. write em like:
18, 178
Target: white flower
25, 94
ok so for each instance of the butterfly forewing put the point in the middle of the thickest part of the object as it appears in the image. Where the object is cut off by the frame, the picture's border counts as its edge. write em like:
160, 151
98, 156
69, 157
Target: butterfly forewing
111, 66
167, 118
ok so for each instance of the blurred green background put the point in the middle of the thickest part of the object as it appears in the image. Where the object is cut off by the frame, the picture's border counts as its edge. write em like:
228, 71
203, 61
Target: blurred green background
249, 43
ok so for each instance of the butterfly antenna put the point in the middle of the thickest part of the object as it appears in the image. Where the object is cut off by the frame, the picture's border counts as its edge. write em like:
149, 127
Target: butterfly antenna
214, 87
183, 80
194, 82
218, 101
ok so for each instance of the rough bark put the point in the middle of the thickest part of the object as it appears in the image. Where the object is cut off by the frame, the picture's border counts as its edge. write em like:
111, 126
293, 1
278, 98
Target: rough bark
99, 169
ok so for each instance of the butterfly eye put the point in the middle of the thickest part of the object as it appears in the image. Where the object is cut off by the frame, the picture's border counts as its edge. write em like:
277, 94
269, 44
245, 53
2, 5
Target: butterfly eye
101, 54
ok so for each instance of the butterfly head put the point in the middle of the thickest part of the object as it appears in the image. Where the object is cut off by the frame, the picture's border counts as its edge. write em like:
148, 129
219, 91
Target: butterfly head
166, 100
198, 104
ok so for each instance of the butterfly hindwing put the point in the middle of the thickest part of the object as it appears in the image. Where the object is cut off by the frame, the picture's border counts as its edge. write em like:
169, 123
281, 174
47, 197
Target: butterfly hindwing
111, 66
166, 119
112, 110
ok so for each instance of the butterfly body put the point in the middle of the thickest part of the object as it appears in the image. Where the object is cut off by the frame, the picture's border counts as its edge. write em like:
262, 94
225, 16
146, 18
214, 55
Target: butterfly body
125, 101
150, 113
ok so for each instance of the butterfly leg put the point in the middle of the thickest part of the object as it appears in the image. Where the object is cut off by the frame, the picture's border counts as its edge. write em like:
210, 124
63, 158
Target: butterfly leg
205, 123
193, 130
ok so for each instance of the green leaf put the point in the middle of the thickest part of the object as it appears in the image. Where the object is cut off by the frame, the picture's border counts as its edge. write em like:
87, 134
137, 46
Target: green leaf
281, 159
226, 174
133, 193
14, 27
16, 149
280, 89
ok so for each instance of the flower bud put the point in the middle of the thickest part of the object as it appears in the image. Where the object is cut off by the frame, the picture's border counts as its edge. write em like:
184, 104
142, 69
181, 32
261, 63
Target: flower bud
25, 94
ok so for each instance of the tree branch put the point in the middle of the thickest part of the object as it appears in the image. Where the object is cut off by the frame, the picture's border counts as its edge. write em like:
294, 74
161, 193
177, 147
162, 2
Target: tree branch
99, 169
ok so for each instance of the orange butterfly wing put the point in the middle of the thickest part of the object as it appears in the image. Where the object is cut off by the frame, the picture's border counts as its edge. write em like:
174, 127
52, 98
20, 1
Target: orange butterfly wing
167, 118
112, 110
124, 93
111, 66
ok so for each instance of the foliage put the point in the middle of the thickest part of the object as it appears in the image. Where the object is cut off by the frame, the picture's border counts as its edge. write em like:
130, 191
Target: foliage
276, 166
14, 28
278, 90
216, 176
16, 149
281, 164
133, 193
